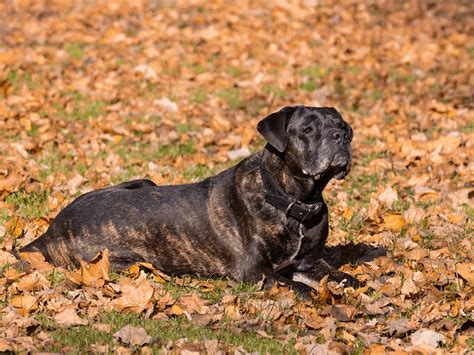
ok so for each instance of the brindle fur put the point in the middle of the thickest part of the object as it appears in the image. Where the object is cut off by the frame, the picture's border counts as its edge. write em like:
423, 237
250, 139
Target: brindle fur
221, 226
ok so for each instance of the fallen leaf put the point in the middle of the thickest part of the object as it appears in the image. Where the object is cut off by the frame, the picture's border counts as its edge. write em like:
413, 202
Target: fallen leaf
409, 287
397, 327
24, 304
466, 270
388, 196
394, 222
427, 337
136, 295
96, 272
33, 281
133, 336
68, 318
6, 257
176, 310
193, 304
37, 261
343, 313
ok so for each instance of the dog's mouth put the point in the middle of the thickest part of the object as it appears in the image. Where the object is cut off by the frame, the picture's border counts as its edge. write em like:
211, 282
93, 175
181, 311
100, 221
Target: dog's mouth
338, 170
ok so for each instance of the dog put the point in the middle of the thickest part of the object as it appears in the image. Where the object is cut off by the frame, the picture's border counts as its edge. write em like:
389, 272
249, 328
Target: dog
264, 217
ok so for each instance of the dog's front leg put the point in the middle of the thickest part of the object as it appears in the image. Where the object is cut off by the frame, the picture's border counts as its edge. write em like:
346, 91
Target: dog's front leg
302, 290
321, 268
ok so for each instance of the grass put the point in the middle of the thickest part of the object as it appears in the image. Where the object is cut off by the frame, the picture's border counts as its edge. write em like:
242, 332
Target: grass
83, 108
52, 163
74, 50
199, 96
276, 91
81, 338
232, 97
309, 85
198, 172
17, 80
366, 159
468, 129
353, 226
234, 72
56, 278
126, 174
365, 184
29, 205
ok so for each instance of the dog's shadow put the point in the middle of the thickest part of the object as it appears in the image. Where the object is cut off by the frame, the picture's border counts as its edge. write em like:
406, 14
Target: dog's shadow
351, 253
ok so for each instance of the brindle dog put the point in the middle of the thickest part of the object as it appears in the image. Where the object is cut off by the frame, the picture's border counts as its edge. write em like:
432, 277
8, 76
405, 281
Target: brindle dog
263, 217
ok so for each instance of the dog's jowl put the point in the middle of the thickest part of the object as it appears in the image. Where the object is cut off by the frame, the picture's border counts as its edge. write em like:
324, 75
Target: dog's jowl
263, 217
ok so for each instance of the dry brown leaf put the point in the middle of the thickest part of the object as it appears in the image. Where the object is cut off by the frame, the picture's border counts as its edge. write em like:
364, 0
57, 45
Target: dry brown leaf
343, 313
33, 281
96, 272
394, 222
193, 304
136, 295
427, 337
134, 271
6, 258
388, 197
37, 261
176, 310
24, 304
409, 288
68, 318
466, 270
133, 336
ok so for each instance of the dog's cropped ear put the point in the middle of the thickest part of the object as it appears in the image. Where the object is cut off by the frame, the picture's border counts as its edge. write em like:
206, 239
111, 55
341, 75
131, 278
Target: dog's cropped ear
273, 127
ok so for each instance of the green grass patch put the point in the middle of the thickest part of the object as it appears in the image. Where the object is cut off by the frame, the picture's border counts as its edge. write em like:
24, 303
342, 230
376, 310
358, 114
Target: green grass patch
276, 91
366, 159
314, 71
53, 163
74, 50
255, 106
198, 172
81, 338
17, 80
83, 109
126, 174
467, 129
56, 278
29, 204
199, 96
309, 85
13, 77
186, 127
232, 97
376, 95
234, 72
174, 150
431, 131
199, 69
365, 184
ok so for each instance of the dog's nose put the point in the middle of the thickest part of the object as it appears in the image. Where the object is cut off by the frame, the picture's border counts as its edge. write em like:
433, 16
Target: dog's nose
339, 135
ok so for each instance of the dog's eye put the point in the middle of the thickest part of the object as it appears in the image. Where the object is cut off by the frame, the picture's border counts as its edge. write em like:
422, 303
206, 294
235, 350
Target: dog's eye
308, 130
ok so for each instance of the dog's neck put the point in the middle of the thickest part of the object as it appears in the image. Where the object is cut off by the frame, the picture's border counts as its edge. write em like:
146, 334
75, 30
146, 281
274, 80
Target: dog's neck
302, 188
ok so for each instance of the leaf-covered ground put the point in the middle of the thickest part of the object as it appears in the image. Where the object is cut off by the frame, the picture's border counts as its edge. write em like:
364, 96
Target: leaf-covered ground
95, 93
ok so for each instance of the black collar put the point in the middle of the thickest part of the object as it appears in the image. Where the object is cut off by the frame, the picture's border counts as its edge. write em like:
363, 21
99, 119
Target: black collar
284, 202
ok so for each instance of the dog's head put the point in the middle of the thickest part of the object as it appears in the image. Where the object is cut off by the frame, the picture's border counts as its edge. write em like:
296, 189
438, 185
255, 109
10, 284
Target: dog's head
314, 141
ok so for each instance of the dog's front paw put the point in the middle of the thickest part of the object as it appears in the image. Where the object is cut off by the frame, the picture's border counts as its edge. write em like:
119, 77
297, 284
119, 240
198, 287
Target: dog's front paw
302, 291
346, 279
